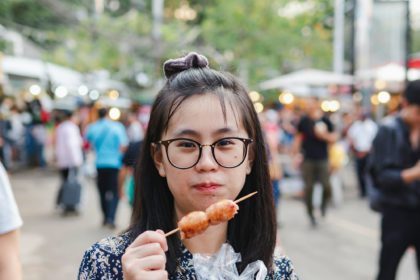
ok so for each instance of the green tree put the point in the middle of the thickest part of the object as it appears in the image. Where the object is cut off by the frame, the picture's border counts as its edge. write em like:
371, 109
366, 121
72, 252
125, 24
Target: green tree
255, 39
265, 42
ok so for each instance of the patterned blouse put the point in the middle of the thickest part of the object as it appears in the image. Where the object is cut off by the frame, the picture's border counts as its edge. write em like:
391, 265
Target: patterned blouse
103, 261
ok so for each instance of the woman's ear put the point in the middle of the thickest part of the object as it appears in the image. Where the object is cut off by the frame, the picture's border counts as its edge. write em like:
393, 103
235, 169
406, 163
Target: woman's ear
157, 156
249, 168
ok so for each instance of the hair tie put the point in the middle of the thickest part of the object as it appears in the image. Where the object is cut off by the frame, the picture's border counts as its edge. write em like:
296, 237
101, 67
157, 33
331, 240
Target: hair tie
191, 60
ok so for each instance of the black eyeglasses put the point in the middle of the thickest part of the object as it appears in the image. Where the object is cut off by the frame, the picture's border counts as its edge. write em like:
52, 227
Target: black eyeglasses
184, 153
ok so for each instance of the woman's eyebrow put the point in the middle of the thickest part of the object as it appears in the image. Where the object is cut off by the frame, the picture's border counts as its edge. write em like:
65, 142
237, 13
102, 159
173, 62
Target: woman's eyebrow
224, 130
194, 133
186, 132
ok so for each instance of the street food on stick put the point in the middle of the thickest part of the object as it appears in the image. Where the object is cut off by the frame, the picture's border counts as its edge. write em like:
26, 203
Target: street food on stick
197, 222
192, 224
221, 211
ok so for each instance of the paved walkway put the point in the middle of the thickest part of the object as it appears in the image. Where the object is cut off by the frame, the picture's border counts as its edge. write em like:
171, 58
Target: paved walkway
343, 247
53, 246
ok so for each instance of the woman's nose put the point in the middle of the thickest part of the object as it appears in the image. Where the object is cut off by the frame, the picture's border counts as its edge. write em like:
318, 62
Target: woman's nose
206, 161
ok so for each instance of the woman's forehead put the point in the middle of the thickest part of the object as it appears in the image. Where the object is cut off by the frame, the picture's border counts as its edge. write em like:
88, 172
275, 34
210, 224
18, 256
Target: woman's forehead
204, 114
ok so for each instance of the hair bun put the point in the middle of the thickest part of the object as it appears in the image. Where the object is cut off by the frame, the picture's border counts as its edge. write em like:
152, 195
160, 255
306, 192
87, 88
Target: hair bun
191, 60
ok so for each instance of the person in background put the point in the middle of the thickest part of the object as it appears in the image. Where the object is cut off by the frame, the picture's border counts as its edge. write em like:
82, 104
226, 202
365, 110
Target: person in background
10, 222
134, 128
109, 141
394, 166
5, 105
271, 129
360, 136
15, 134
126, 187
36, 134
288, 129
68, 151
135, 135
315, 133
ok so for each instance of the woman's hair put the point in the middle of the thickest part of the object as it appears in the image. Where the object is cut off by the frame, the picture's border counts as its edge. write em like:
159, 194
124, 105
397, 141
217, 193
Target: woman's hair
252, 232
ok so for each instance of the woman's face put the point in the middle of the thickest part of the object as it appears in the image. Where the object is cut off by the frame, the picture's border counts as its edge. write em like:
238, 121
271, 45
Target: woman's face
200, 118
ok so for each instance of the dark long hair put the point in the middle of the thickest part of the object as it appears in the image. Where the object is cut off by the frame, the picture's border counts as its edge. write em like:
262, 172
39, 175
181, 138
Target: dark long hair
252, 232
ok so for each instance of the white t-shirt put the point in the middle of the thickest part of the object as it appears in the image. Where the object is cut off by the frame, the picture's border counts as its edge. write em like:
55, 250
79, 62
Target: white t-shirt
9, 214
362, 133
135, 132
68, 145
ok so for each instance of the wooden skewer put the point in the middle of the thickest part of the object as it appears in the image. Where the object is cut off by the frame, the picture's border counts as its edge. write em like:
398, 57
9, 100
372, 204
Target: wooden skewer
245, 197
172, 232
236, 201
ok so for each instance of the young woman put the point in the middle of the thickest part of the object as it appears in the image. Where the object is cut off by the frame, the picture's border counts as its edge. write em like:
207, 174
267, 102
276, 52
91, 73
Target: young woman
203, 144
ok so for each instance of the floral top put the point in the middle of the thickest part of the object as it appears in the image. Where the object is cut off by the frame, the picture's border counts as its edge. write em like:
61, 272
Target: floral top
103, 261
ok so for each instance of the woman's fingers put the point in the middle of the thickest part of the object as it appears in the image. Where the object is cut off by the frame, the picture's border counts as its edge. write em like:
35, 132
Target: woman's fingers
150, 263
146, 250
151, 237
145, 257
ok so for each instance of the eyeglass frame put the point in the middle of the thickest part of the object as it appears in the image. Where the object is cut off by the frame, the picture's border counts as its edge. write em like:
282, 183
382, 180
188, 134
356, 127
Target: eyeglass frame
167, 142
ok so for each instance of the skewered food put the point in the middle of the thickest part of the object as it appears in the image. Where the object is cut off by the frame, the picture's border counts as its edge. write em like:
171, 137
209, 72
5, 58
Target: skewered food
197, 222
221, 211
192, 224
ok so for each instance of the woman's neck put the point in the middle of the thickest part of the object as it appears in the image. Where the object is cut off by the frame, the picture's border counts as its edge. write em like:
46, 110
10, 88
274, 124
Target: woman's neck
209, 242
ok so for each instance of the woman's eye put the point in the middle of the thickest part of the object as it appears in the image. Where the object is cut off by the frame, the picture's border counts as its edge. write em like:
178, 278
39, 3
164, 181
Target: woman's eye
225, 142
186, 144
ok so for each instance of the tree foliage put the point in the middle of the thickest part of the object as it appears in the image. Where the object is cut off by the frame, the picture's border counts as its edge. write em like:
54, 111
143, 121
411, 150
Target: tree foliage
251, 38
269, 43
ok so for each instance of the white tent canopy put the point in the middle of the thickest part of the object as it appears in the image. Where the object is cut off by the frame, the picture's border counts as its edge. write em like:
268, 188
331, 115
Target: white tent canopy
42, 71
22, 66
307, 78
391, 72
60, 75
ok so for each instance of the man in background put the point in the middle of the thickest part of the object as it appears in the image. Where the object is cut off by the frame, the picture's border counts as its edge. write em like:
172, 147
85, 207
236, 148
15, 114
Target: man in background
315, 133
360, 135
394, 166
109, 140
69, 155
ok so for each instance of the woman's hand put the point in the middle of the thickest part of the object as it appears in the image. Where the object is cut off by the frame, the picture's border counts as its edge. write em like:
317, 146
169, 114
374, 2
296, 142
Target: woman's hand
145, 257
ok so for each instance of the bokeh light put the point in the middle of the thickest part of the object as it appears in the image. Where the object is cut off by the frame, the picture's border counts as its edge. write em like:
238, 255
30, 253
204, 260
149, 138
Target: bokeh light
114, 113
384, 97
286, 98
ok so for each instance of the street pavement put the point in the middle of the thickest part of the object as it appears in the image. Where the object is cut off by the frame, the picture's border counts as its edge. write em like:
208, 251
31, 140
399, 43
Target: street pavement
344, 246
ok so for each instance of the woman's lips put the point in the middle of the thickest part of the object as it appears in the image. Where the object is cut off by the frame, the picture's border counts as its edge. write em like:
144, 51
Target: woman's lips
206, 187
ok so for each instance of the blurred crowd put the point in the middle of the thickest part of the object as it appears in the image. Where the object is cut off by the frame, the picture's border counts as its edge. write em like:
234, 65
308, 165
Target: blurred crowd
28, 129
302, 142
32, 135
296, 151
